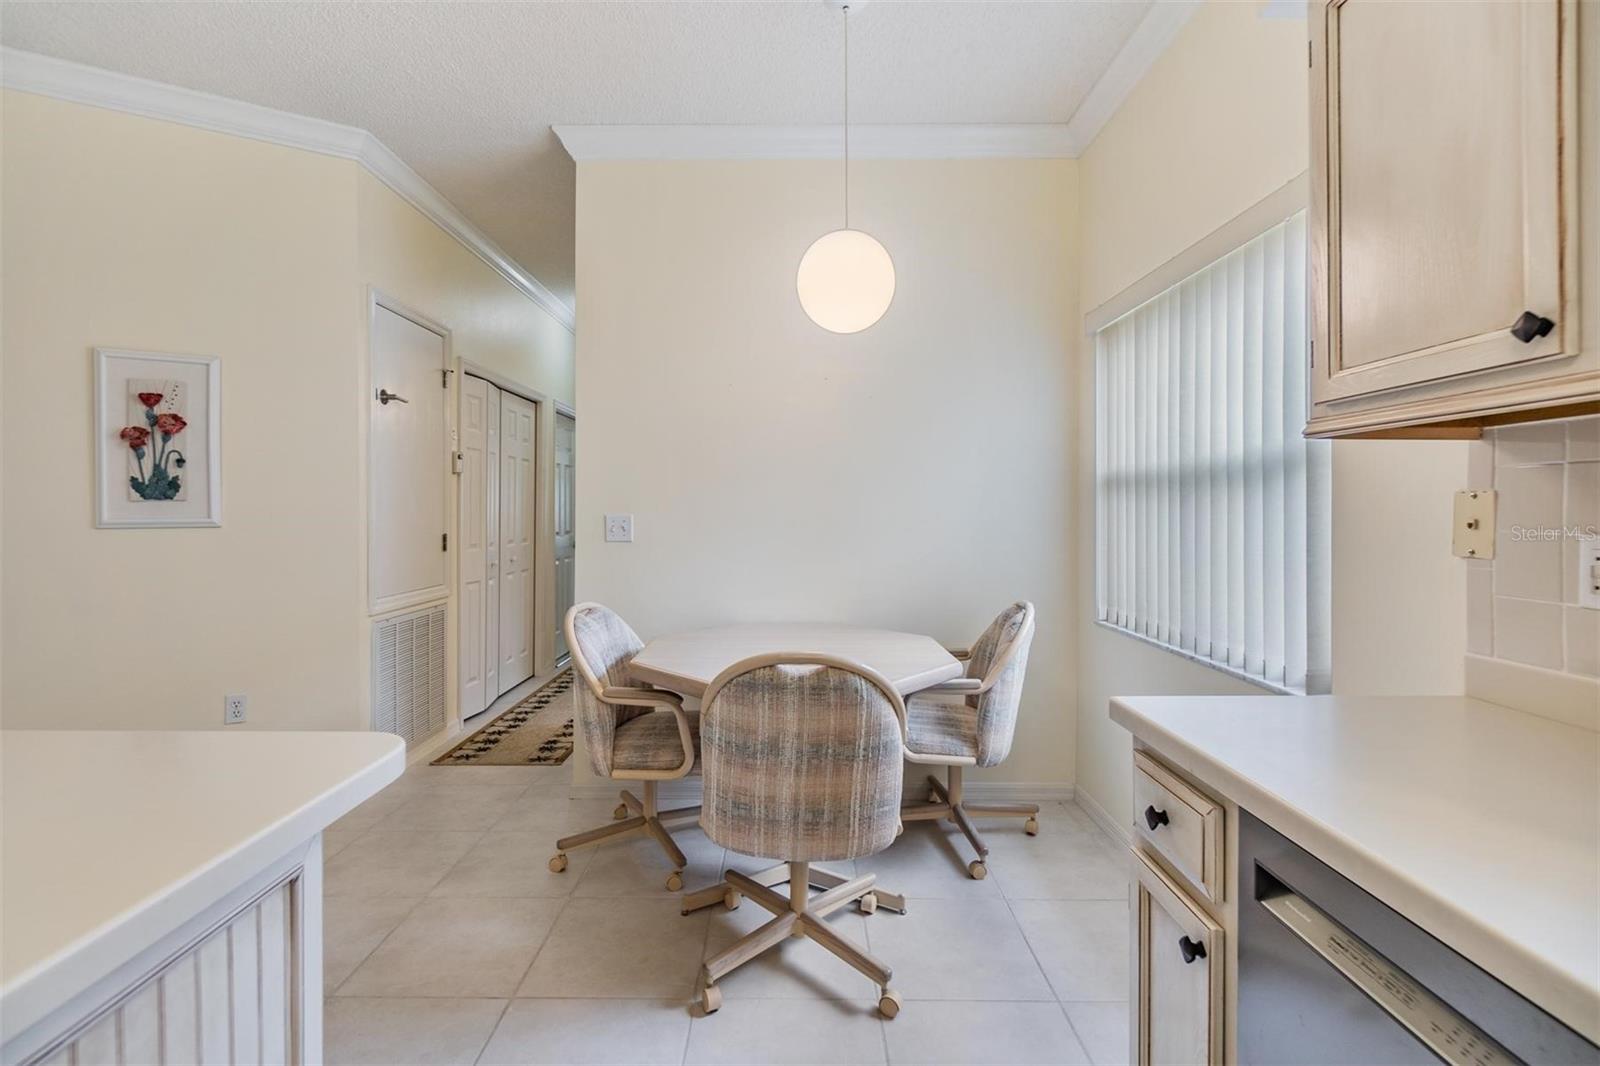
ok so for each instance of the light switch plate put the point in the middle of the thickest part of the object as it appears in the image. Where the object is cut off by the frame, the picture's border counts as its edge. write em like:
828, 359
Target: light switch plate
1473, 536
619, 529
1588, 575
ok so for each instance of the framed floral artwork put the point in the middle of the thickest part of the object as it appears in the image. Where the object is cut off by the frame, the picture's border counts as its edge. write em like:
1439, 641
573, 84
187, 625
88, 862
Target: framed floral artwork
158, 439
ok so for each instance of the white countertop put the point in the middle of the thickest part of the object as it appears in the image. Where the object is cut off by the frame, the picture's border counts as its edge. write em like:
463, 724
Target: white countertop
112, 840
1479, 823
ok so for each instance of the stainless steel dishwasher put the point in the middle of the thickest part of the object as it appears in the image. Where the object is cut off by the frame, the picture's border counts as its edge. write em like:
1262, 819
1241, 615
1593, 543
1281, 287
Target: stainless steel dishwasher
1328, 974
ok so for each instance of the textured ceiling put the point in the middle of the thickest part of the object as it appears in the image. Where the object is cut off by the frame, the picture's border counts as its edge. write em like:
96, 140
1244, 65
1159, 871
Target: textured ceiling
466, 92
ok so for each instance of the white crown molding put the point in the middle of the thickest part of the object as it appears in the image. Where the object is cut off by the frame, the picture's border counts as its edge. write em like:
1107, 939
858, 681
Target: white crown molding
1024, 141
1158, 28
64, 80
1132, 62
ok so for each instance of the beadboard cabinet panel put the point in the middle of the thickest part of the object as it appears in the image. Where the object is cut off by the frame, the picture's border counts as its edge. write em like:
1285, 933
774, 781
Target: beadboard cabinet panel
224, 1001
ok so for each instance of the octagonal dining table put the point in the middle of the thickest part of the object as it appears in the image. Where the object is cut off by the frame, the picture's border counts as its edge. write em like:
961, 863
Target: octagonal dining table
687, 662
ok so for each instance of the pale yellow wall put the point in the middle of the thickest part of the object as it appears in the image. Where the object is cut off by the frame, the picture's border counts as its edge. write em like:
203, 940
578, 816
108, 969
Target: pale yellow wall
913, 476
1219, 122
128, 232
493, 326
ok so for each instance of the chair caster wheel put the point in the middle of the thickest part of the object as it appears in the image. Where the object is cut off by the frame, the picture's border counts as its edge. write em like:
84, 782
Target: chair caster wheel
620, 813
674, 881
558, 862
1031, 827
710, 998
889, 1004
867, 903
732, 899
977, 869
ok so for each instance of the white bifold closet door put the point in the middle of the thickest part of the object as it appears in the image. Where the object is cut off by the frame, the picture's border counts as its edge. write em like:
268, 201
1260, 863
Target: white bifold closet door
497, 543
516, 540
474, 545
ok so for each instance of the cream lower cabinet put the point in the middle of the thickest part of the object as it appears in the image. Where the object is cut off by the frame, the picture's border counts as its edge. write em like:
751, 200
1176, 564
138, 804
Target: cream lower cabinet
1445, 214
1178, 964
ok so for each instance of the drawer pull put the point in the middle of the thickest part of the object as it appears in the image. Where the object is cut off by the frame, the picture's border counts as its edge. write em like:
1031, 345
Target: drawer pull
1153, 818
1530, 326
1191, 949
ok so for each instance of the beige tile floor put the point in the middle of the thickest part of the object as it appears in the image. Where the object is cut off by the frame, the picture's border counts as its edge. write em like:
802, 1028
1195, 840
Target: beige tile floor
449, 941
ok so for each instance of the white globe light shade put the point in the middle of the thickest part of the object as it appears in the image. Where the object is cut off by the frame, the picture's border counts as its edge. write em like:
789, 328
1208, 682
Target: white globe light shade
845, 281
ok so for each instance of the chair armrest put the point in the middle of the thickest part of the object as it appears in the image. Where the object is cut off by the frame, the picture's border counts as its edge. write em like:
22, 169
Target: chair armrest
956, 684
630, 696
654, 697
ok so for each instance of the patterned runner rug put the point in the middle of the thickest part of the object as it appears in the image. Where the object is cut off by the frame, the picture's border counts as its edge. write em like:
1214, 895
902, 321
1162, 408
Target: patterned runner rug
536, 732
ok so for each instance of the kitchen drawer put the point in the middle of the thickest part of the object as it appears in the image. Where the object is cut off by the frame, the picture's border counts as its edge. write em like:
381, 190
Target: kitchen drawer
1182, 824
1178, 960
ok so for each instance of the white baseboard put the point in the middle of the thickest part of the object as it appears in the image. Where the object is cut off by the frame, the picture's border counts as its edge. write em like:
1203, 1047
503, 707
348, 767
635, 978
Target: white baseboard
1016, 792
435, 746
1098, 814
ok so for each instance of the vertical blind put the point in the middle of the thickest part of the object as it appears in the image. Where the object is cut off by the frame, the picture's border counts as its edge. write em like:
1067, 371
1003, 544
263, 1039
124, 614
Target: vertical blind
1211, 508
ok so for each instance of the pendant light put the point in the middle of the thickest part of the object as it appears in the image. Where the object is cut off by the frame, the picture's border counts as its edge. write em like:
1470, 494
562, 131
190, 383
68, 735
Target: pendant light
846, 278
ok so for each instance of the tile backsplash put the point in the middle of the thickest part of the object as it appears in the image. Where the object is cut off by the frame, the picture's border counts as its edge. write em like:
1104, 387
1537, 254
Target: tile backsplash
1522, 604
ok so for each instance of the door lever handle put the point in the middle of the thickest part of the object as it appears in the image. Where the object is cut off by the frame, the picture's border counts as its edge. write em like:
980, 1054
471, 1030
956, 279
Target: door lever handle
384, 396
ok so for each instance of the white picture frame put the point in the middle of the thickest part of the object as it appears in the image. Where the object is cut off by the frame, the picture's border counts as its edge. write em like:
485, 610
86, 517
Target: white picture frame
144, 477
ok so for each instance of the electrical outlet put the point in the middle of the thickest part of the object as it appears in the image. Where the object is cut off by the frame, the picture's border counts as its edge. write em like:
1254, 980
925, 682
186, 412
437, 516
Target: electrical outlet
619, 528
1589, 573
234, 708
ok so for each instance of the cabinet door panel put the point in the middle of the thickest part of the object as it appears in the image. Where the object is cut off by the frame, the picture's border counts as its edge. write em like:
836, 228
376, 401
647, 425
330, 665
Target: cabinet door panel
1179, 958
1444, 190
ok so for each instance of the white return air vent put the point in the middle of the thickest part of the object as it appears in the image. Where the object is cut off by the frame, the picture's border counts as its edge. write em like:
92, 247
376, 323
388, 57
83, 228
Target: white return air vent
408, 674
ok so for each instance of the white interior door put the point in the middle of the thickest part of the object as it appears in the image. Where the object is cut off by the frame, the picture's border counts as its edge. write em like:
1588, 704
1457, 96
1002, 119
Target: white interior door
491, 550
565, 486
406, 562
472, 547
516, 540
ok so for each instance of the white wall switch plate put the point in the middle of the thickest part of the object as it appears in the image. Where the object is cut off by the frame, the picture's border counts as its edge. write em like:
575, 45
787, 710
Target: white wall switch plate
1473, 531
1589, 573
233, 709
619, 528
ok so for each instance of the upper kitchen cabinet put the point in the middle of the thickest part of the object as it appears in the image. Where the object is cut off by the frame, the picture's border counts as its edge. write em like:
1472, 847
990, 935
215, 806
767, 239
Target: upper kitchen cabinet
1445, 223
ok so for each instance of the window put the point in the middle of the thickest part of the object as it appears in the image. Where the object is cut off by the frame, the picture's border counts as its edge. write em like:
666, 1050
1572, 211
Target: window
1211, 509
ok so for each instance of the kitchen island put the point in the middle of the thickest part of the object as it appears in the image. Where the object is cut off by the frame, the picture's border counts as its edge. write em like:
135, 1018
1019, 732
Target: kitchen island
160, 892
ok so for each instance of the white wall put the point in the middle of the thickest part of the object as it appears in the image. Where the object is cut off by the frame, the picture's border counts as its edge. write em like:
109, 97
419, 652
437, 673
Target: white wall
913, 476
124, 231
130, 232
1219, 122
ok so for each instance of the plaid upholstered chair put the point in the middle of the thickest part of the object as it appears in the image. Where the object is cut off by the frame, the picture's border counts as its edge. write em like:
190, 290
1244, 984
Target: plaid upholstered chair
633, 733
803, 762
970, 722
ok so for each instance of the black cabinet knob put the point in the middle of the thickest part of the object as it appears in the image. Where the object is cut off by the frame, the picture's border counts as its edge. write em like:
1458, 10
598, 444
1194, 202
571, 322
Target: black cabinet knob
1529, 326
1191, 949
1153, 818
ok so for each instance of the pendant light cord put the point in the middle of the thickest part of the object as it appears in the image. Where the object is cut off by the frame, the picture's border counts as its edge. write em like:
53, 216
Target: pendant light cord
847, 116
